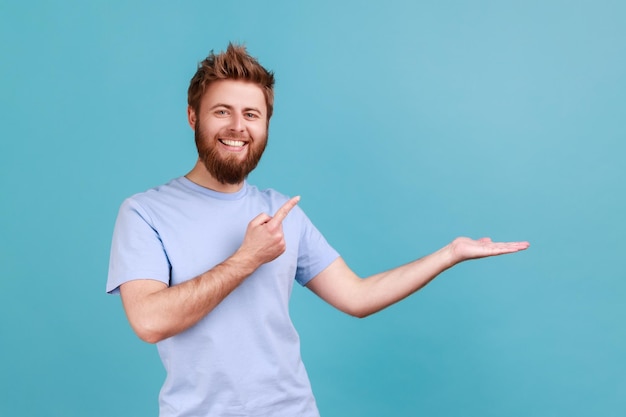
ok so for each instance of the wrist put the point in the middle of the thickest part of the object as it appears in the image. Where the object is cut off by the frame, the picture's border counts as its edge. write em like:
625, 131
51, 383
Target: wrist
243, 262
449, 256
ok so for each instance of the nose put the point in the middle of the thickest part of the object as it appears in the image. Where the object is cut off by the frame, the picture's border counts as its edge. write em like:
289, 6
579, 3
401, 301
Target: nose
237, 123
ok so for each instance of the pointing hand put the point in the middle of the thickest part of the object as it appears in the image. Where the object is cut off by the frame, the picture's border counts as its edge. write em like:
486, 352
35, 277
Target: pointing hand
264, 240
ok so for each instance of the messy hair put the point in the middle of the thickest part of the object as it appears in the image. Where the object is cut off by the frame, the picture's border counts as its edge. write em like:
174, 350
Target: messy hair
234, 64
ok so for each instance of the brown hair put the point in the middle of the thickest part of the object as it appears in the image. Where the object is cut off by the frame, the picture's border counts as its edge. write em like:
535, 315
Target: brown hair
234, 64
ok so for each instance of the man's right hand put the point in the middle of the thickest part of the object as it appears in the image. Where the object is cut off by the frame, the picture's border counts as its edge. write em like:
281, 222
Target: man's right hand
264, 240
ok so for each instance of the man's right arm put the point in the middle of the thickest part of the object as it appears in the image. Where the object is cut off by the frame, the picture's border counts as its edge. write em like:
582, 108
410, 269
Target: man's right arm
156, 311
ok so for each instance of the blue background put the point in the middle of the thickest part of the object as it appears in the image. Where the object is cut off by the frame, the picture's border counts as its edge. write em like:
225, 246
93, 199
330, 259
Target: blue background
402, 124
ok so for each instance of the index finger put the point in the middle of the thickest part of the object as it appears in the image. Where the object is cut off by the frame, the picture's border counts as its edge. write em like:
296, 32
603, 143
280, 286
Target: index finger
282, 212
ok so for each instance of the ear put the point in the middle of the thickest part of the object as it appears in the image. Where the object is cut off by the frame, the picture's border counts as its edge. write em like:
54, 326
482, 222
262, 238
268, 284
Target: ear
191, 118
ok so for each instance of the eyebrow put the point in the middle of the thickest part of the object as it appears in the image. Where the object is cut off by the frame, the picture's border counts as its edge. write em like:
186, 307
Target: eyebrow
253, 109
220, 105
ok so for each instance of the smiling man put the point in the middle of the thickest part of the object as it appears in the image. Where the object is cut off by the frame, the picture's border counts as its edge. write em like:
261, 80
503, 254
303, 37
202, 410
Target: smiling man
205, 264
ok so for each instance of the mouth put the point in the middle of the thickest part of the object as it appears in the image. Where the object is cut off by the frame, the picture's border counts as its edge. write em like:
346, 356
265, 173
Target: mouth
233, 144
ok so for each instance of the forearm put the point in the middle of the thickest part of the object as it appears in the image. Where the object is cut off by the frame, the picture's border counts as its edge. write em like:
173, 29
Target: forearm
386, 288
167, 311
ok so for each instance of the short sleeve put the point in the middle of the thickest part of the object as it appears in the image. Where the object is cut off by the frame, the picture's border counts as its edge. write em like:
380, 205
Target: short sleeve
136, 250
314, 252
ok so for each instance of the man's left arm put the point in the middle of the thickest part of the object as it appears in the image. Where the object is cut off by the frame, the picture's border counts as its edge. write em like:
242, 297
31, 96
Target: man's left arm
342, 288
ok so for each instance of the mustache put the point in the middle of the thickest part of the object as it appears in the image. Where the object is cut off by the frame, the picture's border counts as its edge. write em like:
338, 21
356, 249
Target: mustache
234, 136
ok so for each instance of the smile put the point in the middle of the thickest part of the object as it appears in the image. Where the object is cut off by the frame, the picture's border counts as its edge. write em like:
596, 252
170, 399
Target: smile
234, 143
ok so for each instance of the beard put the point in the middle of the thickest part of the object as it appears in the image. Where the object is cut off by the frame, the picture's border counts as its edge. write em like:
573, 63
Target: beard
231, 169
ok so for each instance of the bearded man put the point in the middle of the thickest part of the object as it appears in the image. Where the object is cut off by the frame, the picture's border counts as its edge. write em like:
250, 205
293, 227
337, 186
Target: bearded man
205, 264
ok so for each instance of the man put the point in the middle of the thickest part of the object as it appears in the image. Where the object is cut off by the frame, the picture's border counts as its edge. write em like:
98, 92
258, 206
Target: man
205, 264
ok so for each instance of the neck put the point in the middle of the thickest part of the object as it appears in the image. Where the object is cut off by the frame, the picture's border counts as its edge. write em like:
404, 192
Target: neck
202, 177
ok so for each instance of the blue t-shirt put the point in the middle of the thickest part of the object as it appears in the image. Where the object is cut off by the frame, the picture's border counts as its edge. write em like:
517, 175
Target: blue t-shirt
243, 358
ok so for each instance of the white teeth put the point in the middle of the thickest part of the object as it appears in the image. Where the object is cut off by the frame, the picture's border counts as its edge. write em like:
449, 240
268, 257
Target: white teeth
233, 142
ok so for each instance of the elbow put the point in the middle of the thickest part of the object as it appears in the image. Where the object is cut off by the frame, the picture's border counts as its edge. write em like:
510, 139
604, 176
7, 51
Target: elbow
147, 332
358, 312
357, 307
362, 314
148, 337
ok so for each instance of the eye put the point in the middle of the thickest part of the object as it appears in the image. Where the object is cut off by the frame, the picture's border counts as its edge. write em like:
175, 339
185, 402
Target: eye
251, 115
221, 112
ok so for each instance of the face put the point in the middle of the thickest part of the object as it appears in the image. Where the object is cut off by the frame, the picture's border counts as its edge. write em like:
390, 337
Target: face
230, 129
